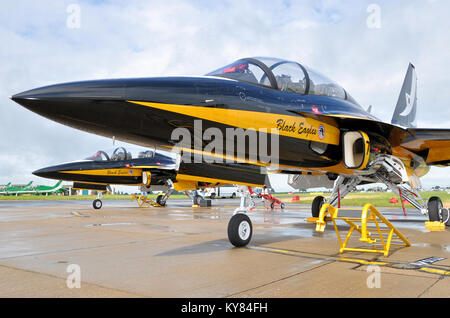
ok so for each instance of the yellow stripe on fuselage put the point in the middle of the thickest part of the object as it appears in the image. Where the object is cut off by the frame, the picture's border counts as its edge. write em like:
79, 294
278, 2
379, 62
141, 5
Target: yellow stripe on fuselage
290, 126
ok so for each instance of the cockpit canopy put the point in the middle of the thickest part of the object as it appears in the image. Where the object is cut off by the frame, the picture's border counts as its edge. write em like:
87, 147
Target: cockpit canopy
121, 154
283, 75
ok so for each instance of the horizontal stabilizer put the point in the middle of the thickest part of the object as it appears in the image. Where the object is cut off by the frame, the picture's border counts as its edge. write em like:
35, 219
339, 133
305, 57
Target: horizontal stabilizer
433, 144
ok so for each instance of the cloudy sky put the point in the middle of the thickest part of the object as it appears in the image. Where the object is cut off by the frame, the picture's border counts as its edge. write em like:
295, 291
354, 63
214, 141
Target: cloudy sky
363, 45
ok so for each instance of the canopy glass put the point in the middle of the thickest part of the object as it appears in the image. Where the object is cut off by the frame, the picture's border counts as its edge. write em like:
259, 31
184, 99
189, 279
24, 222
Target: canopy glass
283, 75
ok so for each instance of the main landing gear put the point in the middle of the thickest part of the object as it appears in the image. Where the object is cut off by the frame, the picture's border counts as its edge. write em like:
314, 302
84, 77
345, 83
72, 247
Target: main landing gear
161, 199
317, 205
437, 212
194, 196
344, 185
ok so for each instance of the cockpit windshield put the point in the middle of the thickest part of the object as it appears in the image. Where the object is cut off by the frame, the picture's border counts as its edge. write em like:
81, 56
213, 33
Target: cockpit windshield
121, 154
286, 76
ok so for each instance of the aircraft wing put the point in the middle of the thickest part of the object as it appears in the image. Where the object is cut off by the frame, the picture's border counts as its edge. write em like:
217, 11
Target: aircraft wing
432, 144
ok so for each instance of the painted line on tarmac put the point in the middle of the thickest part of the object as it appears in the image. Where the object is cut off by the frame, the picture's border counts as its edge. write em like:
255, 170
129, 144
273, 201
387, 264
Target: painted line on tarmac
431, 270
316, 256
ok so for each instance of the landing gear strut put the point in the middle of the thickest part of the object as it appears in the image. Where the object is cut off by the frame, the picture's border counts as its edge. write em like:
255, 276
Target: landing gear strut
161, 199
194, 196
342, 186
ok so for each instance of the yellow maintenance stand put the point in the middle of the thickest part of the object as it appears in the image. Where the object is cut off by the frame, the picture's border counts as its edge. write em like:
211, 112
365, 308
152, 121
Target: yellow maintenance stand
374, 228
144, 201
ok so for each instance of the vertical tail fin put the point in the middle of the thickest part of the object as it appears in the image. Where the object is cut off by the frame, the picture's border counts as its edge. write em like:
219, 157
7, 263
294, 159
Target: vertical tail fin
405, 111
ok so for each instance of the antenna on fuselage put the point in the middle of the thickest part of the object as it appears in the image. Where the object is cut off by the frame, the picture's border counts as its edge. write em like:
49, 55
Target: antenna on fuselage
114, 141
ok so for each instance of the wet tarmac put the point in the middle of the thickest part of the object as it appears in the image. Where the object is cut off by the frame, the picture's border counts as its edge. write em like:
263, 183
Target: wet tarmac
181, 251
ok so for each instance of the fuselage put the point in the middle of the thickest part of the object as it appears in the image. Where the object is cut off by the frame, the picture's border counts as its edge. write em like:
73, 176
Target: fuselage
146, 111
121, 172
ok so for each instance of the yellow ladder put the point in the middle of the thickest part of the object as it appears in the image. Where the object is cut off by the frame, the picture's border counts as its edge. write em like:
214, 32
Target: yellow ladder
381, 232
144, 202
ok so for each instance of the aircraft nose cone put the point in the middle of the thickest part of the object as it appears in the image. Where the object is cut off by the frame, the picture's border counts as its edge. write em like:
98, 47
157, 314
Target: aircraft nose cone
92, 106
86, 91
47, 172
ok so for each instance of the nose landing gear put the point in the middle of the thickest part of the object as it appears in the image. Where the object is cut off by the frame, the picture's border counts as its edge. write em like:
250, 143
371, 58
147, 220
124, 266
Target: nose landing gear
240, 230
97, 203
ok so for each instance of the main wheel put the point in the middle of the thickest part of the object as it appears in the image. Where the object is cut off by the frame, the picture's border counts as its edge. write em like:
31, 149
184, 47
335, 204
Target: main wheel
282, 205
161, 200
272, 206
240, 230
316, 205
212, 196
97, 204
197, 199
434, 206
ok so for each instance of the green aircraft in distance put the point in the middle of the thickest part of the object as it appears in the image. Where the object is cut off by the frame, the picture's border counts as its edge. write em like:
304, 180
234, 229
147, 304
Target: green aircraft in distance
27, 189
4, 186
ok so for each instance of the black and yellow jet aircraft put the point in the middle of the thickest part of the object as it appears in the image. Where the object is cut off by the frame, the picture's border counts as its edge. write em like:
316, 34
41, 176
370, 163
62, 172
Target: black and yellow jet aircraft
149, 170
325, 137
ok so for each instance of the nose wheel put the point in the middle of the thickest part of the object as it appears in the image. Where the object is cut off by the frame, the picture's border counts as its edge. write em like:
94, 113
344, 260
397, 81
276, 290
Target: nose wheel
240, 230
97, 204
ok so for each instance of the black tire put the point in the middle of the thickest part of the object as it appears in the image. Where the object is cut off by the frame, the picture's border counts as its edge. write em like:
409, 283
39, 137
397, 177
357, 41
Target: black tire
316, 205
282, 206
197, 199
97, 204
272, 206
445, 214
434, 205
160, 199
233, 195
212, 196
240, 230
